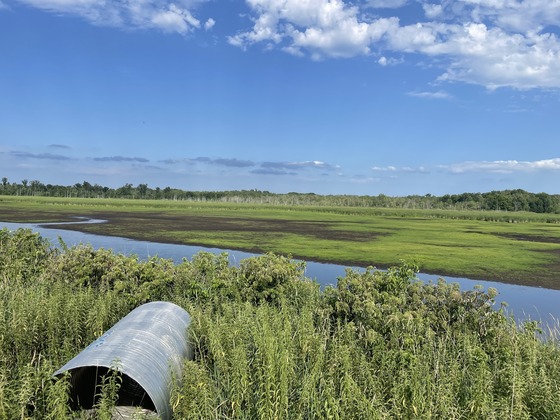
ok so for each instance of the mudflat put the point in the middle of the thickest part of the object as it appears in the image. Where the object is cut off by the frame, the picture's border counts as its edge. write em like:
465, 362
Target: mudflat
461, 244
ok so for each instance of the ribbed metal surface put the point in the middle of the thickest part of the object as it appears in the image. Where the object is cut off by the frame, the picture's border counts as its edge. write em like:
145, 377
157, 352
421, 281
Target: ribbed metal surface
148, 346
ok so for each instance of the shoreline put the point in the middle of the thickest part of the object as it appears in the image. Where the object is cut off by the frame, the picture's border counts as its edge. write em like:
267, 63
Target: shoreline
78, 226
318, 238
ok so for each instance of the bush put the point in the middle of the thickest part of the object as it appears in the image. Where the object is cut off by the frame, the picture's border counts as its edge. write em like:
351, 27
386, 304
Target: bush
268, 343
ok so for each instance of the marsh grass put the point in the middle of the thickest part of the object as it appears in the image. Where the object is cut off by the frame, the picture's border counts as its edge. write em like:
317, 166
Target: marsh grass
513, 247
269, 343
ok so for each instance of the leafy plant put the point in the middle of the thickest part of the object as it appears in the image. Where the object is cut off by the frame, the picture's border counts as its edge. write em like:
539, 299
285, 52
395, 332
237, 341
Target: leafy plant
269, 343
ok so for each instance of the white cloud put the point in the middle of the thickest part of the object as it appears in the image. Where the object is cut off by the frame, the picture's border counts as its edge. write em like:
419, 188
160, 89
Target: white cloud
417, 37
389, 61
209, 24
432, 10
494, 58
174, 19
487, 56
314, 164
394, 169
321, 28
494, 43
144, 14
384, 168
3, 5
416, 170
440, 94
388, 4
523, 16
504, 166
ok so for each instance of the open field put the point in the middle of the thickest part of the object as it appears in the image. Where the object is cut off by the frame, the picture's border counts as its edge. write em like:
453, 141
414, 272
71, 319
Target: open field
521, 248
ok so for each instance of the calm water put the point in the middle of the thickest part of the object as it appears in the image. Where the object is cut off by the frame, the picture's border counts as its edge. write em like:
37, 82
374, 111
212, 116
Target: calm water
523, 301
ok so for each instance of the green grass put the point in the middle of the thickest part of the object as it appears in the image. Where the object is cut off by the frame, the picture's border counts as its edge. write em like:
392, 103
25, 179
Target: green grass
521, 248
269, 343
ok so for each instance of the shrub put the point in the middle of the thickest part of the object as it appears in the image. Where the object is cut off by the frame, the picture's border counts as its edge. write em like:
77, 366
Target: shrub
268, 343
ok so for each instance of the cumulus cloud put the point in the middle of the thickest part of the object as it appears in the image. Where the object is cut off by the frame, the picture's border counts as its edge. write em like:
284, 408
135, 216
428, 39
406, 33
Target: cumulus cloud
494, 43
388, 4
505, 166
322, 28
174, 19
146, 14
432, 10
209, 24
389, 61
486, 46
487, 56
522, 16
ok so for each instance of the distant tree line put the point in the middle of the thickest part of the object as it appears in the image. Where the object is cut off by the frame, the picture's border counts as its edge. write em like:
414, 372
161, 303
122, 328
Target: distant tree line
507, 200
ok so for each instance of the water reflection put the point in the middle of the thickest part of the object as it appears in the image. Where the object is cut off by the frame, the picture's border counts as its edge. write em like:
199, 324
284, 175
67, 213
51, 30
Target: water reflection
80, 220
523, 301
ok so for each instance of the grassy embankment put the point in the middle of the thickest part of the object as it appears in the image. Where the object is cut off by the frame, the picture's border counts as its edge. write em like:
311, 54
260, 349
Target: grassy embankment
521, 248
269, 344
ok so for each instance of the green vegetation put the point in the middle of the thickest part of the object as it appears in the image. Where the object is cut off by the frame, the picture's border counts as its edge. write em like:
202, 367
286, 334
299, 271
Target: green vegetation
513, 247
268, 343
508, 200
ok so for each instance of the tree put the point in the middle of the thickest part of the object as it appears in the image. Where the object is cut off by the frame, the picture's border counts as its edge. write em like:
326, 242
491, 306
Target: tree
142, 188
124, 191
36, 186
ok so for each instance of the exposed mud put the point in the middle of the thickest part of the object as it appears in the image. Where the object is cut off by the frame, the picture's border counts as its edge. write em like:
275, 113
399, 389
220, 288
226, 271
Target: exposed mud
521, 237
530, 238
136, 225
165, 222
158, 227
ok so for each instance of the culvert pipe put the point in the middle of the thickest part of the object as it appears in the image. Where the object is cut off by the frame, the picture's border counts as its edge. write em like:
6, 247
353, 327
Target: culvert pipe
148, 347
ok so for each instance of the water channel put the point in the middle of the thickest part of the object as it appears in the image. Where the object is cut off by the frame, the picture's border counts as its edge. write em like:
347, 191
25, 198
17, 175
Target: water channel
524, 302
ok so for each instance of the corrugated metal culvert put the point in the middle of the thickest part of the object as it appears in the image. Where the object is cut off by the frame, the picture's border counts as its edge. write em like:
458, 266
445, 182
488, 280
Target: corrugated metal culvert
148, 347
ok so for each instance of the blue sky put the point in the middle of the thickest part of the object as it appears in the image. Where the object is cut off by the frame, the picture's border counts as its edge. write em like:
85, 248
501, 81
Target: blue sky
334, 97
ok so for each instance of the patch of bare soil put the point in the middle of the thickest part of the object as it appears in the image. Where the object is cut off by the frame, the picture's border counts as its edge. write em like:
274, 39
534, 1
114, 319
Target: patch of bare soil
26, 216
134, 224
153, 227
530, 238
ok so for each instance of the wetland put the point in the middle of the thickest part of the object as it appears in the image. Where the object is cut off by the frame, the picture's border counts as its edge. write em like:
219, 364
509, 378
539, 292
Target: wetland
515, 248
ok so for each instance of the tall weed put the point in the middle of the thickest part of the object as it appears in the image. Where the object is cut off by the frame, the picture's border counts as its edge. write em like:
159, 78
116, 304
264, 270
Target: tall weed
268, 343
